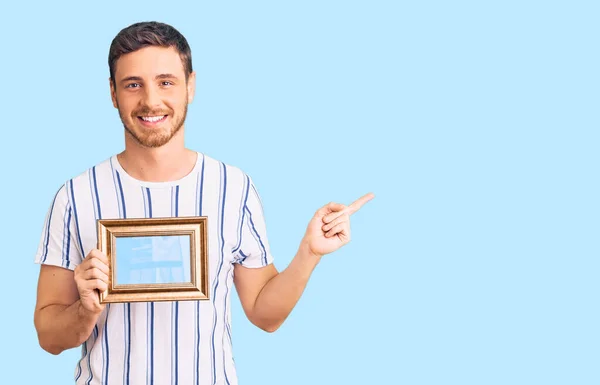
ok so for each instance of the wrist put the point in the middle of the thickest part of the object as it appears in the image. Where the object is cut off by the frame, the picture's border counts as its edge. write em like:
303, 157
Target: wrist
85, 313
86, 321
307, 253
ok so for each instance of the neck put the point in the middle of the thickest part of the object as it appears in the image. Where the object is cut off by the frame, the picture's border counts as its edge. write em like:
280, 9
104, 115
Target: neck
167, 163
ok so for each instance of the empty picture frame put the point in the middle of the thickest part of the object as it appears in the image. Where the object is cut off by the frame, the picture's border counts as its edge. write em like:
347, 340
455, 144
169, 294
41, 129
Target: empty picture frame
155, 259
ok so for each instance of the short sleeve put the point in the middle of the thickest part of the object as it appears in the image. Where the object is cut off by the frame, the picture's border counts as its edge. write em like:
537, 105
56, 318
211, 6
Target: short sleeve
58, 245
253, 250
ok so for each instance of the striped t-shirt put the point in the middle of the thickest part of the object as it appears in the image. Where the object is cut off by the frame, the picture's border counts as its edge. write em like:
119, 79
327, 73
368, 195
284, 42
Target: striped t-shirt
184, 342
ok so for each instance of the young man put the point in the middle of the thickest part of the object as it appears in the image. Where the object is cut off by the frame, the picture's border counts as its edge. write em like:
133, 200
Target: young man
188, 342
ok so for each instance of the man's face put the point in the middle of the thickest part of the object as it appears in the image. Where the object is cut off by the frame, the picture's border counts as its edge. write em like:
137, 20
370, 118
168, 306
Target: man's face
151, 94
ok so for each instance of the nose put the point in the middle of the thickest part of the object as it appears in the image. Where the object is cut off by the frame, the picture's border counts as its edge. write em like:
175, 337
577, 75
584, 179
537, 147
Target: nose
151, 97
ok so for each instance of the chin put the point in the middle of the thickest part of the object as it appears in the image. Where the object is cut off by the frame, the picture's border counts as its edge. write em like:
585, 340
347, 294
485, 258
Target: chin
155, 141
150, 140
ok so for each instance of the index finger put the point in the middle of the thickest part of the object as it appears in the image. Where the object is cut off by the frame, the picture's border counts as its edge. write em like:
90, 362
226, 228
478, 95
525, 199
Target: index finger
95, 253
357, 204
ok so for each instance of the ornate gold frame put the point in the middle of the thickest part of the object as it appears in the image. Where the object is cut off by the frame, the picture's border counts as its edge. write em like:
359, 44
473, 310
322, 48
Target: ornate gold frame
195, 227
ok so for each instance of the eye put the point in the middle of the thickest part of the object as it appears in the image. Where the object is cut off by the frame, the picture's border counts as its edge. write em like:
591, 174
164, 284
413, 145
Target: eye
133, 85
166, 83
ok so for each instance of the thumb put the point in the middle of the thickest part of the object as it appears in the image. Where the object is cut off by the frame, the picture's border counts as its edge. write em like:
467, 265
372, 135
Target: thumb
329, 208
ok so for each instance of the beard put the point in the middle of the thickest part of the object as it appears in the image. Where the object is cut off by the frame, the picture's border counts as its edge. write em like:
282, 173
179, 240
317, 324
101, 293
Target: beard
157, 137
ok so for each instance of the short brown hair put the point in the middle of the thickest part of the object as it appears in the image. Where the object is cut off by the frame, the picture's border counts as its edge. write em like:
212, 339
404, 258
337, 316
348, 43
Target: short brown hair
146, 34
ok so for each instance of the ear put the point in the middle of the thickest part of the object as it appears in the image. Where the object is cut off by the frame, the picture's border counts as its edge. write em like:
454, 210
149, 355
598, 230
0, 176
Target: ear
113, 93
191, 87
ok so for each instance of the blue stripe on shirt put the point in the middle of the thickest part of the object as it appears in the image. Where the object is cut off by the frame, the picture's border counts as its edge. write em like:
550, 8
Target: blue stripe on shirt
149, 202
177, 201
244, 256
96, 192
83, 354
47, 235
66, 244
92, 192
91, 375
242, 217
151, 304
199, 194
262, 246
221, 217
150, 347
97, 216
175, 327
226, 321
122, 196
106, 352
127, 306
76, 221
128, 343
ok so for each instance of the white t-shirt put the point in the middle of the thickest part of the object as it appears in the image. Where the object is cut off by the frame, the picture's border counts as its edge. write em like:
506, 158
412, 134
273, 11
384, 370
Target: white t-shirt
185, 342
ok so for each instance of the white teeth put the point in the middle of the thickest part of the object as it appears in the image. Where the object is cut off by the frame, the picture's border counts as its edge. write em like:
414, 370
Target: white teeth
152, 119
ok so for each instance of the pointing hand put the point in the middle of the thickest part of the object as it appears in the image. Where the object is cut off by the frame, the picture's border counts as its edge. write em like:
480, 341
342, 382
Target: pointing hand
329, 229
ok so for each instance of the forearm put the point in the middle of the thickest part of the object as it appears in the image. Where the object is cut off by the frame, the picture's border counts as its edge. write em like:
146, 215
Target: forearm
279, 296
62, 327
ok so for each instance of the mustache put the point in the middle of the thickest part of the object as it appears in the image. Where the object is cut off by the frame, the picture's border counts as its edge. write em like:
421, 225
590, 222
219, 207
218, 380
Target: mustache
145, 111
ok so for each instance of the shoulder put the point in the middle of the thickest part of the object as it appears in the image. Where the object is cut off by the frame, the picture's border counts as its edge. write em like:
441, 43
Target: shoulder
89, 177
70, 189
233, 175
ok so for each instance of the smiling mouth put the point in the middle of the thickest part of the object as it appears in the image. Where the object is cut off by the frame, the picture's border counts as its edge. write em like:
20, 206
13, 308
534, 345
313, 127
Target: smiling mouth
152, 119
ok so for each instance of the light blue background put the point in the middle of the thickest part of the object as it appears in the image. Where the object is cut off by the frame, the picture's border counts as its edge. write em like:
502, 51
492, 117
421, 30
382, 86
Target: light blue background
140, 262
475, 123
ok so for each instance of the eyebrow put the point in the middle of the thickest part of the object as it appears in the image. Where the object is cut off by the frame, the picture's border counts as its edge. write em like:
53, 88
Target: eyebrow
139, 79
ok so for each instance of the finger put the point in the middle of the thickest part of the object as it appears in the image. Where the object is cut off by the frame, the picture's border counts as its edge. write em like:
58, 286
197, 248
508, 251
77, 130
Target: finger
101, 286
97, 263
341, 209
93, 284
338, 209
357, 204
330, 208
97, 284
342, 230
94, 273
95, 253
336, 221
